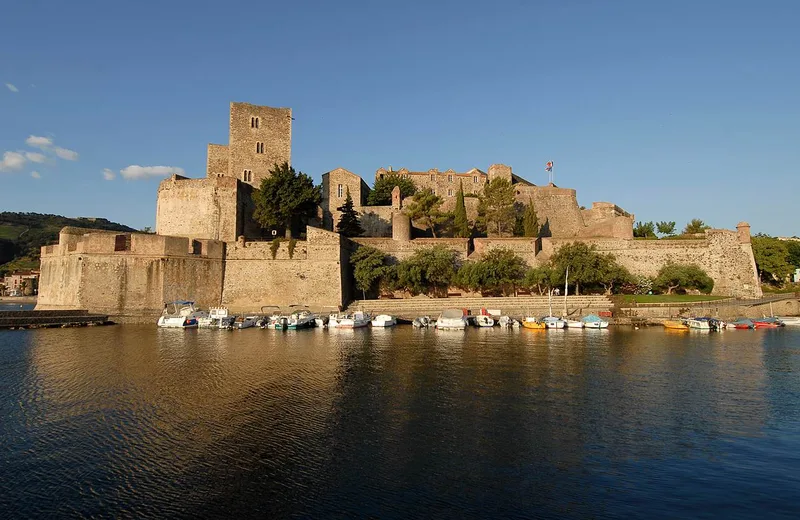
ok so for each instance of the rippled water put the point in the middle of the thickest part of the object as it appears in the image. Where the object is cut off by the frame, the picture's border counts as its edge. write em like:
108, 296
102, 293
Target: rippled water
132, 421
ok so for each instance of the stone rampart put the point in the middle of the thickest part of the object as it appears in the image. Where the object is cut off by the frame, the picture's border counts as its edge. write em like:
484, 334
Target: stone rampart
198, 208
524, 247
402, 249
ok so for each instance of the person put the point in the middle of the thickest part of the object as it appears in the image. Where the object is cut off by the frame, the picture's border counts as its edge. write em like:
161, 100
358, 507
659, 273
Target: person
557, 291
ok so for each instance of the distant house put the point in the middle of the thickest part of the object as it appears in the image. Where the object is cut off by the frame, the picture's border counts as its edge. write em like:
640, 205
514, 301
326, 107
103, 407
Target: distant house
21, 283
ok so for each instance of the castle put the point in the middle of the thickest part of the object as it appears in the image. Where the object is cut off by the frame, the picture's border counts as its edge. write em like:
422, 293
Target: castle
208, 248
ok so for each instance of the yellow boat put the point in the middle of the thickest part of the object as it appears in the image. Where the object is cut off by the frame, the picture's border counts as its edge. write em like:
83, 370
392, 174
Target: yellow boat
675, 325
533, 323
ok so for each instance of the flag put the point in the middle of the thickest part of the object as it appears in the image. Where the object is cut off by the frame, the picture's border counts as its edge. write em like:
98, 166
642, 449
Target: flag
549, 166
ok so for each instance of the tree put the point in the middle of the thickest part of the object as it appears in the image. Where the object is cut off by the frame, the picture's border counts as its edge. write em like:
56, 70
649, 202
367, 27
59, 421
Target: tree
793, 248
425, 207
610, 273
772, 258
381, 194
348, 223
284, 196
543, 278
496, 207
368, 267
147, 229
428, 270
666, 228
695, 226
582, 261
530, 220
460, 222
644, 230
683, 276
500, 271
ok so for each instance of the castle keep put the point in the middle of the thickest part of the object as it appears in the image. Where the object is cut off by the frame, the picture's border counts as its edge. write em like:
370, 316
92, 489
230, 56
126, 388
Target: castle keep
208, 248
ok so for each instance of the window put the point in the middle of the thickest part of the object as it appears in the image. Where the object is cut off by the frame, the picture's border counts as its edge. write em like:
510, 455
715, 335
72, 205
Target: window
340, 191
247, 176
449, 193
259, 147
433, 177
475, 179
253, 122
449, 178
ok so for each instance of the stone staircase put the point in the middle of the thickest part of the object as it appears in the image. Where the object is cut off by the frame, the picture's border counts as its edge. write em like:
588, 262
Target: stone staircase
515, 306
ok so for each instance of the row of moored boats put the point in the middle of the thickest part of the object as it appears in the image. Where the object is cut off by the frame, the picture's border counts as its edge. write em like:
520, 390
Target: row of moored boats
706, 323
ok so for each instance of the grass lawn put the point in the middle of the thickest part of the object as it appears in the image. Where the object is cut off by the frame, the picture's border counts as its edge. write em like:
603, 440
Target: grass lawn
669, 298
10, 232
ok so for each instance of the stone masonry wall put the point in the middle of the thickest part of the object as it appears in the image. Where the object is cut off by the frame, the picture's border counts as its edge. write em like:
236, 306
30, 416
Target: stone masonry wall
217, 160
274, 131
198, 208
331, 199
402, 249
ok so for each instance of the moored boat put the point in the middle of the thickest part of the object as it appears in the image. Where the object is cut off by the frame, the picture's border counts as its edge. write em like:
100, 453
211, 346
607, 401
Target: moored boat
421, 322
244, 322
552, 322
742, 324
790, 321
484, 321
180, 314
698, 323
507, 321
354, 321
215, 316
532, 323
593, 321
574, 324
384, 320
451, 319
675, 325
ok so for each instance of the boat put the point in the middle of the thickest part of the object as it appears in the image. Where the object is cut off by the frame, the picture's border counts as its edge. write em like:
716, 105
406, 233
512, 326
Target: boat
354, 321
742, 324
593, 321
484, 321
552, 322
180, 314
698, 323
451, 319
675, 325
244, 322
421, 322
321, 322
269, 316
574, 324
767, 323
215, 316
790, 321
507, 321
532, 323
384, 320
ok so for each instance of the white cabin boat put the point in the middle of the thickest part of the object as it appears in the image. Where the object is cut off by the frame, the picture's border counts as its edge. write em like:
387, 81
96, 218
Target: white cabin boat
790, 321
594, 321
384, 320
355, 321
214, 318
484, 321
552, 322
421, 322
574, 324
507, 321
180, 314
700, 324
244, 322
451, 319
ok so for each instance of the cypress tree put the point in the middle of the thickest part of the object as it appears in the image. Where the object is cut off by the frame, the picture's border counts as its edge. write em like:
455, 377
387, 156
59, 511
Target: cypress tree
530, 221
460, 222
348, 223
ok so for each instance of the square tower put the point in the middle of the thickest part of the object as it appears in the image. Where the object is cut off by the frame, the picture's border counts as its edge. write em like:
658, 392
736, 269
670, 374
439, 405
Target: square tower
260, 137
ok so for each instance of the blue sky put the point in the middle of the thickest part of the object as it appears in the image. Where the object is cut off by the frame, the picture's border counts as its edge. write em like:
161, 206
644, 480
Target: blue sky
673, 110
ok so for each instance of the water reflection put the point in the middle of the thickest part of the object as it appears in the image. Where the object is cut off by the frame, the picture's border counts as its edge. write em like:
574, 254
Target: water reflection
133, 420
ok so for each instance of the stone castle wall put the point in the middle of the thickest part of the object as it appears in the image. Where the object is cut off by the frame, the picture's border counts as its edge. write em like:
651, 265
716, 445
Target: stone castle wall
251, 125
198, 208
217, 160
402, 249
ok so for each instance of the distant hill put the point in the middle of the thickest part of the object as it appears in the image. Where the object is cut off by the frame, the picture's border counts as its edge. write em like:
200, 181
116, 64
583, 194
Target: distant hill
23, 234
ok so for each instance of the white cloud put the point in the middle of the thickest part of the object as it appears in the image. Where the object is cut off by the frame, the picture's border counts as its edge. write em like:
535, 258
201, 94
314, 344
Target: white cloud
108, 174
36, 175
68, 155
142, 172
37, 141
12, 161
35, 157
12, 88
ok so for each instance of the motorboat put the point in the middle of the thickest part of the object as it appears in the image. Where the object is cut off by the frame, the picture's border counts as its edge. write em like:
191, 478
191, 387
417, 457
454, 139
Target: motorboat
790, 321
384, 320
297, 320
508, 321
354, 321
180, 314
552, 322
742, 324
767, 323
574, 324
321, 322
334, 319
675, 325
421, 322
532, 323
593, 321
451, 319
269, 316
484, 321
215, 316
244, 322
698, 323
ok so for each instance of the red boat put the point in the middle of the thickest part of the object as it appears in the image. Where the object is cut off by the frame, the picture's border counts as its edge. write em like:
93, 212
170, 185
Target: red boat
765, 325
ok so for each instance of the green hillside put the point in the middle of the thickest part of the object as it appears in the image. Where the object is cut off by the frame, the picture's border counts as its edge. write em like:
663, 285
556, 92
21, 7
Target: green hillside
23, 234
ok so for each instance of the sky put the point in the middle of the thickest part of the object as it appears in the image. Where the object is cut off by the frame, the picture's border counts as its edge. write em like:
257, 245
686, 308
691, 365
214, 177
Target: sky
671, 109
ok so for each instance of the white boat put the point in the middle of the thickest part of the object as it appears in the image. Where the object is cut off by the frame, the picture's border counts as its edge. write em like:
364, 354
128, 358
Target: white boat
484, 321
244, 322
507, 321
574, 324
270, 314
594, 321
355, 321
451, 319
334, 319
214, 318
180, 314
421, 322
790, 321
552, 322
695, 323
384, 320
